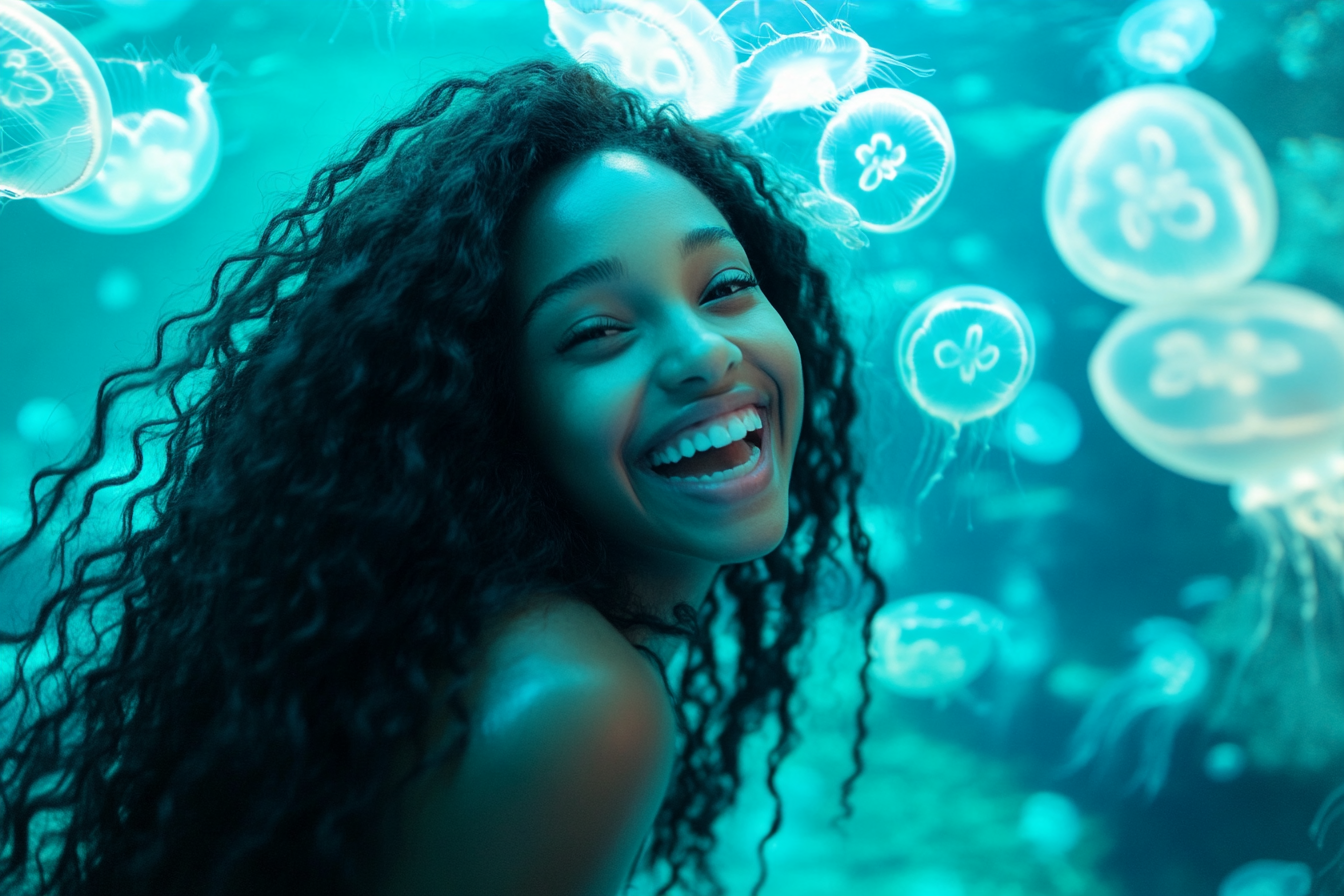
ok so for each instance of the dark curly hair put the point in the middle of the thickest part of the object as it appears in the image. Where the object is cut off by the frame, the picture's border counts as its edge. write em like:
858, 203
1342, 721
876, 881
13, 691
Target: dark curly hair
208, 697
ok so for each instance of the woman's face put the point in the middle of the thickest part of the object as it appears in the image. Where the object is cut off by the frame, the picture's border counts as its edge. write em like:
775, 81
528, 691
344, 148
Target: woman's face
660, 386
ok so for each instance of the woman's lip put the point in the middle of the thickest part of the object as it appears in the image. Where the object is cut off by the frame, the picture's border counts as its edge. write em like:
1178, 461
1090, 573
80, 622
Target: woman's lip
729, 489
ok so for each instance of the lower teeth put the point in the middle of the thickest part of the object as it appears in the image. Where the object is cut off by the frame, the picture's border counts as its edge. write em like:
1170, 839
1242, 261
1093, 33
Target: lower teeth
722, 474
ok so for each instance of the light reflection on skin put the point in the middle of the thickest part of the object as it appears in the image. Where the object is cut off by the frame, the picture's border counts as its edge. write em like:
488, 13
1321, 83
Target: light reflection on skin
670, 325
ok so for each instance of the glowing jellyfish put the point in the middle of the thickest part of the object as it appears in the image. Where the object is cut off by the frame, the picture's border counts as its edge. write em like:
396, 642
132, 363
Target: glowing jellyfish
963, 355
888, 153
55, 115
1043, 424
1225, 762
1166, 37
145, 15
935, 644
1266, 877
1150, 700
1050, 824
805, 71
669, 50
1224, 391
165, 149
1159, 193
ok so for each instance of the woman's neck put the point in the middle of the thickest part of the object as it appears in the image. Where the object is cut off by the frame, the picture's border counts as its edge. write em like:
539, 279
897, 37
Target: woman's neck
659, 585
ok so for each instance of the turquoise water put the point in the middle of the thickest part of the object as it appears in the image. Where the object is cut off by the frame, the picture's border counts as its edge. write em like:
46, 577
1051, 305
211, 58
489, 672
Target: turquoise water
1075, 553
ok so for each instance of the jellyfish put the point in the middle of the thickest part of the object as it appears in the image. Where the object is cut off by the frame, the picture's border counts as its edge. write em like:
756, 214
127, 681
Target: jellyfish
1050, 824
1267, 877
1225, 762
165, 149
963, 355
1150, 701
933, 645
1202, 591
55, 114
808, 70
888, 153
145, 15
1159, 194
1166, 37
669, 50
1026, 642
1043, 424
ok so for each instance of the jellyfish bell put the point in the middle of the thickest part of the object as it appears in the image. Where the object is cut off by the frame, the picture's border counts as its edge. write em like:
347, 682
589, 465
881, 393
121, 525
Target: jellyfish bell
1148, 702
668, 50
1166, 37
1229, 390
935, 644
1159, 194
55, 114
964, 353
889, 154
164, 152
1267, 877
807, 70
1043, 424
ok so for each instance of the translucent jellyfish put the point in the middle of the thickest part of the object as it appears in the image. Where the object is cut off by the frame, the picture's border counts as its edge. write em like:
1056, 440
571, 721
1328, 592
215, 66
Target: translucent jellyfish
55, 115
1149, 701
669, 50
1159, 193
1049, 824
1043, 424
888, 153
145, 15
935, 644
1266, 877
1166, 37
1225, 762
963, 355
1249, 385
46, 421
806, 71
165, 150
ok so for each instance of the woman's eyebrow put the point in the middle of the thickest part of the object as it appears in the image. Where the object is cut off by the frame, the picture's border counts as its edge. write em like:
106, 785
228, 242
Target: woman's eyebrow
701, 237
594, 272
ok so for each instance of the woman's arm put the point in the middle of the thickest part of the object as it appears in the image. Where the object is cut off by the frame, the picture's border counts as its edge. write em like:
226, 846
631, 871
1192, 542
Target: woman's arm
569, 759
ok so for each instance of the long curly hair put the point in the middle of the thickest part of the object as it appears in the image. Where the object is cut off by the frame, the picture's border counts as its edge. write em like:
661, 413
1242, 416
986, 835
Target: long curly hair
335, 502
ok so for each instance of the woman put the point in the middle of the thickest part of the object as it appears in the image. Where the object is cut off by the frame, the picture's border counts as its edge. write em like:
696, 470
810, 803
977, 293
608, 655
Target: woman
535, 387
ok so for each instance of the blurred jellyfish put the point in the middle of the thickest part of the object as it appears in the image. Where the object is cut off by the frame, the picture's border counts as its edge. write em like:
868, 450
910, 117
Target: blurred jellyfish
118, 289
669, 50
888, 153
963, 355
1224, 391
1266, 877
1026, 643
145, 15
1151, 699
933, 645
1204, 590
1049, 824
55, 115
1159, 193
46, 421
1166, 37
1043, 424
165, 149
1225, 762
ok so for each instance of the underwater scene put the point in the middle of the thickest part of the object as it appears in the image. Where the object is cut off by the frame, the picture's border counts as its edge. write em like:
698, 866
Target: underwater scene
1090, 256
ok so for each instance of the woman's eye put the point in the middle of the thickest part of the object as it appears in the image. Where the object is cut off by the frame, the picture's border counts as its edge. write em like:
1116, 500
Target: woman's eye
728, 286
596, 330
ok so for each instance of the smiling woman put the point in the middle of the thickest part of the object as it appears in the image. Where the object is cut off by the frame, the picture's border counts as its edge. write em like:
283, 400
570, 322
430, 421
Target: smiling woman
538, 386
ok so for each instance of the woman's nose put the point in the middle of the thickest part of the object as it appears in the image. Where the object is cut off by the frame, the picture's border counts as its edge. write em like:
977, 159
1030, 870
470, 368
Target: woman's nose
696, 355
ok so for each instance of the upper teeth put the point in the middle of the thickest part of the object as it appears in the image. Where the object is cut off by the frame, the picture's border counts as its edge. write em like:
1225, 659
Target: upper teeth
711, 434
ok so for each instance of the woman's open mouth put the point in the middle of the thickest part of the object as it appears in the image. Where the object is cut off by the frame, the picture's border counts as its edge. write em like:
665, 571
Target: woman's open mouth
727, 449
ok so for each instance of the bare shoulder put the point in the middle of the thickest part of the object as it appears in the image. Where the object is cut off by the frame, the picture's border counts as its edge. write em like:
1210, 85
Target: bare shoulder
570, 754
